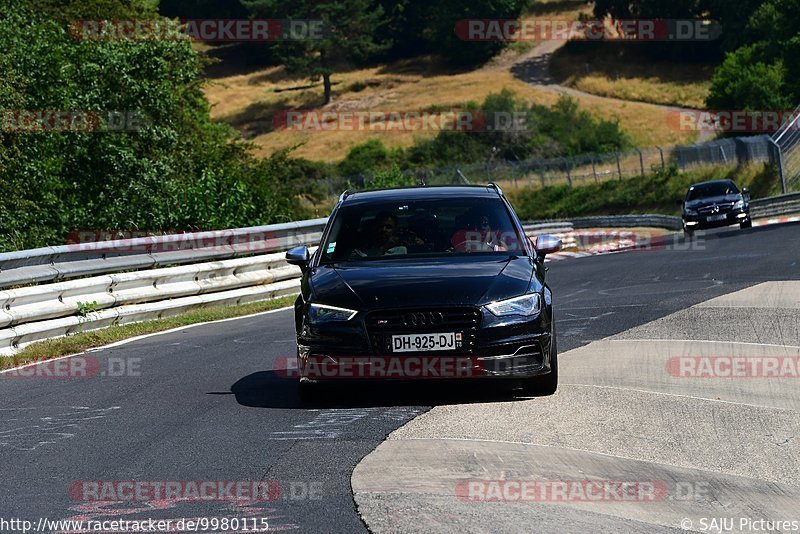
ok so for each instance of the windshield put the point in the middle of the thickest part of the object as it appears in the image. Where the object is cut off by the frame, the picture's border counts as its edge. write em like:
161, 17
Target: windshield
407, 229
716, 189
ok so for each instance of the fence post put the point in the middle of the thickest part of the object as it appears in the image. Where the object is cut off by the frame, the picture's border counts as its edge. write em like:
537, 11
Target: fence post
662, 157
641, 161
594, 170
781, 167
569, 176
619, 167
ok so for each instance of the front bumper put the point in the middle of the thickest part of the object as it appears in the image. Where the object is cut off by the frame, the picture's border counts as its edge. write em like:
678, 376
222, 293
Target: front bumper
701, 222
498, 348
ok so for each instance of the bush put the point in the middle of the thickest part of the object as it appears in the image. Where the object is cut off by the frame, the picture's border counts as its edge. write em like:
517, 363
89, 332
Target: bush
392, 177
541, 132
366, 158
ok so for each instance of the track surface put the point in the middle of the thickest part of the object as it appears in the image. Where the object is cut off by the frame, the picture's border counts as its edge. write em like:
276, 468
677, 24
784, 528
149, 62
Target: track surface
206, 404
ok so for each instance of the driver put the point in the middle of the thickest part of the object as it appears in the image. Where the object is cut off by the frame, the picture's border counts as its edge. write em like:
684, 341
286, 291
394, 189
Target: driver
385, 238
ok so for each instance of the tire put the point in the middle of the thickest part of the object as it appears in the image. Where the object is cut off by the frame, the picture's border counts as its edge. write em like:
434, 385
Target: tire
545, 385
746, 224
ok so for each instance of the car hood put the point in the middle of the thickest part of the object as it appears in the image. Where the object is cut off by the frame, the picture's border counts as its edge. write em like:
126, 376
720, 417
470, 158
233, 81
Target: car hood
402, 283
700, 202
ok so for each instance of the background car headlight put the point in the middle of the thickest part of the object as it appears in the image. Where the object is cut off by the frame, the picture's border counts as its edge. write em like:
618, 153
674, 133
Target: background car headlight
739, 205
320, 313
527, 305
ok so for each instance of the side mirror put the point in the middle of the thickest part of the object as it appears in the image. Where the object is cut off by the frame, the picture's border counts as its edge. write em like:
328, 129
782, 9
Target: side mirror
546, 244
745, 192
299, 256
679, 202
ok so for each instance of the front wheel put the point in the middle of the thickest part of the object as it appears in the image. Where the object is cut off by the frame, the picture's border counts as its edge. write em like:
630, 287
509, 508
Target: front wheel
746, 224
546, 384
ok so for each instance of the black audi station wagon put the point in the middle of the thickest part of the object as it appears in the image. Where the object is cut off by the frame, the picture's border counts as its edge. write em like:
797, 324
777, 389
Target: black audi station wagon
425, 282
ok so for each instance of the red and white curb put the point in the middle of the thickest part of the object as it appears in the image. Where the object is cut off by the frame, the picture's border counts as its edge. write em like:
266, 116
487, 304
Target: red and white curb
625, 241
782, 220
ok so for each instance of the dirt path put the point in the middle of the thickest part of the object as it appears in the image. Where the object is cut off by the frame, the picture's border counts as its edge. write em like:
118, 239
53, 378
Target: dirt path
533, 67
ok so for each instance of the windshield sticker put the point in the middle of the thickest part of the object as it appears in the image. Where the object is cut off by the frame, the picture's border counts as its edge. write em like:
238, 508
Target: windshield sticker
331, 247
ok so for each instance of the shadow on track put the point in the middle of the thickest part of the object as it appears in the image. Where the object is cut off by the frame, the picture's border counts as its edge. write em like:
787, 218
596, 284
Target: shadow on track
267, 389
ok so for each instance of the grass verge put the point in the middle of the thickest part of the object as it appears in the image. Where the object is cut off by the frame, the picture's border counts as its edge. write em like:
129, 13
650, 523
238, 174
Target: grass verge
82, 341
652, 194
623, 72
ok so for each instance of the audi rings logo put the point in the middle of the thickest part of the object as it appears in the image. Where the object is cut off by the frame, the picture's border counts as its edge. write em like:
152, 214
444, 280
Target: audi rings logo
423, 318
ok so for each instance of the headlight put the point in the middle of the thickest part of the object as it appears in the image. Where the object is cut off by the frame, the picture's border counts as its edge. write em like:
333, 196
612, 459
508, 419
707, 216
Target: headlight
320, 313
527, 305
739, 205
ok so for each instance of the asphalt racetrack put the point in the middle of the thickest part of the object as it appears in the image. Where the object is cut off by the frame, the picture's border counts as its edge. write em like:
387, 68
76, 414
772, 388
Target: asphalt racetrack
205, 404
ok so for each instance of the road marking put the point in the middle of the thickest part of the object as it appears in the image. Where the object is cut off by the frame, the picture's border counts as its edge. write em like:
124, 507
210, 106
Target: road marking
617, 388
670, 340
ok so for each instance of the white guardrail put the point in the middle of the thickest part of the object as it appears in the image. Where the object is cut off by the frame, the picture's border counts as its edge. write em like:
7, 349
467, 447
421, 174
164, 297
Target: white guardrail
143, 278
56, 291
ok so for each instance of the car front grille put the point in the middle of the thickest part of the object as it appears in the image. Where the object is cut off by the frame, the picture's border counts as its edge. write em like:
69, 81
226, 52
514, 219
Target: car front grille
383, 324
709, 210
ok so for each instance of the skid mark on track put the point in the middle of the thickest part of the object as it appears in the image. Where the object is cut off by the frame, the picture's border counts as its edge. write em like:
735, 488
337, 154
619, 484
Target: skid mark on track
30, 428
332, 424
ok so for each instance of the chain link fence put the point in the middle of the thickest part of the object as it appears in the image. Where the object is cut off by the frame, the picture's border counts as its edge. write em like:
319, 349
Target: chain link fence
595, 168
787, 142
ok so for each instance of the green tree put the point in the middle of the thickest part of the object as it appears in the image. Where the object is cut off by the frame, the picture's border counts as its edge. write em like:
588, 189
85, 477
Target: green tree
745, 81
177, 170
350, 33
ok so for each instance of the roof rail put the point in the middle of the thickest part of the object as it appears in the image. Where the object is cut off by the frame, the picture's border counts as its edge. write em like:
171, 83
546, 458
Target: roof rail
345, 194
496, 188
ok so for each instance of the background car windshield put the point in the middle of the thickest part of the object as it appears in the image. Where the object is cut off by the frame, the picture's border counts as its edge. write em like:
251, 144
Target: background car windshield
717, 189
421, 228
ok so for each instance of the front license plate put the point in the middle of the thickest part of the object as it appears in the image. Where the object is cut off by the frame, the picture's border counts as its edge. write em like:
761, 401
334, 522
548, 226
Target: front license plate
424, 342
720, 217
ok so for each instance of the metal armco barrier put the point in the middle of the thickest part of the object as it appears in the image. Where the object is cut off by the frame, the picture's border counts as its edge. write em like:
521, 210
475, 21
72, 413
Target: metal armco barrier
780, 205
96, 285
